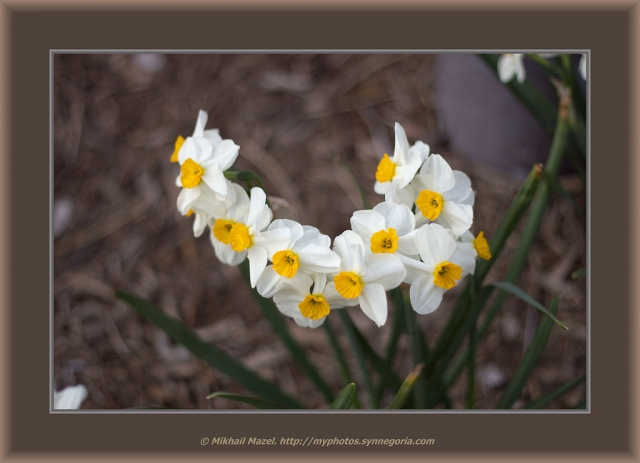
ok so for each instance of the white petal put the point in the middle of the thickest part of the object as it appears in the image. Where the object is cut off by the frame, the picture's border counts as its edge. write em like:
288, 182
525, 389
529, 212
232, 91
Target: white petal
225, 154
350, 247
406, 196
436, 174
335, 300
407, 244
434, 243
461, 191
186, 198
69, 398
404, 174
457, 217
214, 179
366, 223
373, 302
506, 68
257, 208
225, 253
199, 224
422, 149
296, 229
273, 240
268, 282
425, 296
201, 123
319, 259
257, 263
212, 136
414, 268
378, 187
401, 147
384, 269
465, 260
396, 216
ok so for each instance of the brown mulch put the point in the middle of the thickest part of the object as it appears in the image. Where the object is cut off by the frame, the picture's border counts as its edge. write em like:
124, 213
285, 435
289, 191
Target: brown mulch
294, 116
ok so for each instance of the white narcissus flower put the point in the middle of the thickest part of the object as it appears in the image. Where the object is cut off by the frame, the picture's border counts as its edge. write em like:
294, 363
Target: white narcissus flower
213, 135
203, 158
207, 206
394, 174
308, 306
443, 266
365, 280
443, 195
387, 229
307, 251
510, 65
248, 235
224, 215
70, 398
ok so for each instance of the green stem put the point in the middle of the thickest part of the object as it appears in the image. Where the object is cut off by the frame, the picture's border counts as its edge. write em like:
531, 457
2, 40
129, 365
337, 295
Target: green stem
357, 347
471, 375
527, 238
417, 353
553, 395
340, 358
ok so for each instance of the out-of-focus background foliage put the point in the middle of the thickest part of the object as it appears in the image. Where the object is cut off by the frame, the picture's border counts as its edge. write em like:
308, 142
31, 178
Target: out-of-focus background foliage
116, 225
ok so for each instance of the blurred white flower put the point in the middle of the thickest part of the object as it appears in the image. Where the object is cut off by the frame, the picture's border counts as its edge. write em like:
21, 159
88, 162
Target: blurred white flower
510, 65
69, 398
582, 66
223, 216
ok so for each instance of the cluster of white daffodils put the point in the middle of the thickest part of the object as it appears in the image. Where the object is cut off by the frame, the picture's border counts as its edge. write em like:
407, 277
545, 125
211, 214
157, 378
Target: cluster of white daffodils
419, 235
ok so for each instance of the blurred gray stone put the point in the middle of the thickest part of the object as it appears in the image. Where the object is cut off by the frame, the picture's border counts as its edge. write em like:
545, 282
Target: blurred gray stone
483, 120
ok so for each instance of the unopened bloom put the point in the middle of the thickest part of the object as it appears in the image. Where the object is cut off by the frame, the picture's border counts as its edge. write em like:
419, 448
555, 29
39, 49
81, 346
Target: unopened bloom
443, 266
307, 251
70, 398
307, 300
393, 174
248, 235
476, 245
510, 65
443, 195
364, 280
203, 159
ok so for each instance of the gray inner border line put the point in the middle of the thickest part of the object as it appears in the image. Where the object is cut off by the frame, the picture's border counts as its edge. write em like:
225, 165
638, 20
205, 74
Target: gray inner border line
53, 52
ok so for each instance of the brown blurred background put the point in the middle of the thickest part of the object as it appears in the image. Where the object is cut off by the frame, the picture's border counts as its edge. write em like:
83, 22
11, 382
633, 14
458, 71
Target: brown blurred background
116, 225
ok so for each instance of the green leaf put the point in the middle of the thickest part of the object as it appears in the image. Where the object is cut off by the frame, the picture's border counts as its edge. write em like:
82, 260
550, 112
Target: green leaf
272, 314
254, 401
553, 395
529, 360
555, 184
213, 356
345, 398
417, 353
514, 290
345, 371
406, 388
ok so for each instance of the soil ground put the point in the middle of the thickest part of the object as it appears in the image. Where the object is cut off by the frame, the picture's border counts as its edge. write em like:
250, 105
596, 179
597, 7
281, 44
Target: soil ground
295, 118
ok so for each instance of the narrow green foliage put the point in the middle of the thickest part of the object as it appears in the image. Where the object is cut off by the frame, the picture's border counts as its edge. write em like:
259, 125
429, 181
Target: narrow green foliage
406, 388
213, 356
358, 346
529, 360
471, 363
417, 353
280, 327
514, 290
253, 401
345, 398
555, 184
556, 393
340, 357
